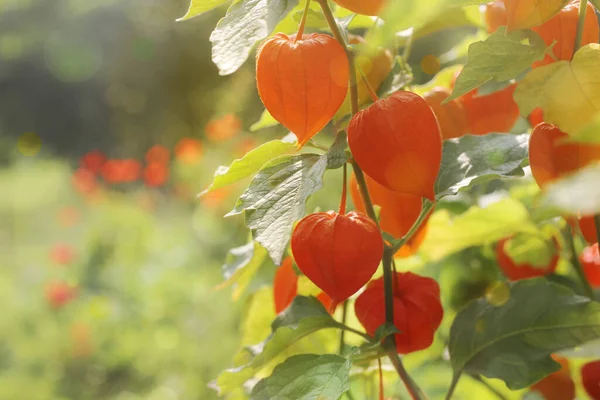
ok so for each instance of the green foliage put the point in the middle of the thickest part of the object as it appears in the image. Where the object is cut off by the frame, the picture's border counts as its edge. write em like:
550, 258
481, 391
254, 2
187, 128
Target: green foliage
472, 160
246, 22
500, 57
198, 7
276, 199
251, 162
241, 265
513, 341
304, 377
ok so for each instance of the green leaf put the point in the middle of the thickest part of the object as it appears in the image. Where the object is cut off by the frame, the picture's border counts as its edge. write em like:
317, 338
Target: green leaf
576, 193
306, 377
475, 227
471, 160
241, 265
251, 162
513, 342
304, 316
198, 7
276, 198
266, 121
501, 57
246, 22
534, 250
337, 156
589, 134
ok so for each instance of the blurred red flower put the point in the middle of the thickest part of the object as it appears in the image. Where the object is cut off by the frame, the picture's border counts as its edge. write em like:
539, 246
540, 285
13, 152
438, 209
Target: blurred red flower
84, 181
158, 154
93, 161
224, 128
62, 254
121, 171
156, 174
59, 293
189, 150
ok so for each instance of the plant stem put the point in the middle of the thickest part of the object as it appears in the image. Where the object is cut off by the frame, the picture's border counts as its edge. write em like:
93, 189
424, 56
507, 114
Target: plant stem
427, 206
488, 386
597, 223
343, 331
381, 388
577, 265
344, 194
580, 25
302, 21
364, 191
455, 380
413, 389
359, 333
368, 85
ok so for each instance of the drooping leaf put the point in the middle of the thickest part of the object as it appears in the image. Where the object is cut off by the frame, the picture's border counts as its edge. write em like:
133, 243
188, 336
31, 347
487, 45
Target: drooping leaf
576, 193
473, 159
246, 23
251, 162
198, 7
241, 265
304, 316
567, 92
523, 14
589, 133
500, 57
277, 196
477, 226
513, 341
306, 377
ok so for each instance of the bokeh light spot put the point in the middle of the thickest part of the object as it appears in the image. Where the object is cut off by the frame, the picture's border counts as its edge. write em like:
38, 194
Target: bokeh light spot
430, 64
71, 59
29, 144
498, 293
167, 338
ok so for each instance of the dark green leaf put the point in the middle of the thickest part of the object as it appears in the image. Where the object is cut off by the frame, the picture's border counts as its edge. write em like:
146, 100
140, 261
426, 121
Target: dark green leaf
304, 316
471, 160
513, 341
277, 196
501, 57
337, 156
306, 377
251, 162
246, 22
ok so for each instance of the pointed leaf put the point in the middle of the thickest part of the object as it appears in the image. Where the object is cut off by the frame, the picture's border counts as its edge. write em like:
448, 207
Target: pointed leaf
567, 92
276, 198
246, 22
198, 7
304, 316
306, 377
473, 159
251, 162
513, 341
501, 57
241, 265
475, 227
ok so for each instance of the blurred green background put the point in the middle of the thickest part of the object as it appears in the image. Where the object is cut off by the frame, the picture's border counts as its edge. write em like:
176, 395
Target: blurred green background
109, 281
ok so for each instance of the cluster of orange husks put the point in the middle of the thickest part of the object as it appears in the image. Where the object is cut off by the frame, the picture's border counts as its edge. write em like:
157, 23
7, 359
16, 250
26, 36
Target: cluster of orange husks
303, 81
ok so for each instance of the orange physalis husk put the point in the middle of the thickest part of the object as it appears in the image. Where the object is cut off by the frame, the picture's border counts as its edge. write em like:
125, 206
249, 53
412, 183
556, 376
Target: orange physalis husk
496, 112
302, 83
364, 7
285, 285
451, 116
418, 310
397, 142
562, 29
559, 385
338, 253
495, 15
515, 272
590, 377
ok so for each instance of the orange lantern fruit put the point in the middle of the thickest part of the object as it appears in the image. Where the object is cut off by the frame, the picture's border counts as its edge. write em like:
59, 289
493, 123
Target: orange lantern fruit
397, 214
397, 142
562, 29
451, 116
515, 272
364, 7
302, 82
285, 285
559, 385
495, 15
590, 376
417, 310
587, 224
339, 253
536, 117
495, 112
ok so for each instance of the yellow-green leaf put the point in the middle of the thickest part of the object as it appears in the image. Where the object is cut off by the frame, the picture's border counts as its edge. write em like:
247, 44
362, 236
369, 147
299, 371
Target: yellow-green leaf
568, 92
198, 7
